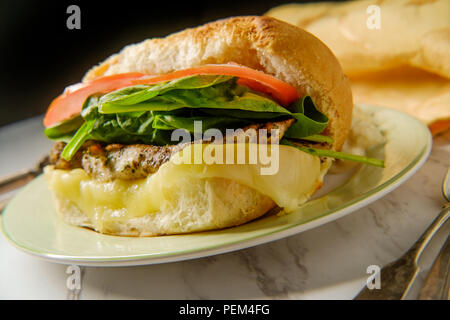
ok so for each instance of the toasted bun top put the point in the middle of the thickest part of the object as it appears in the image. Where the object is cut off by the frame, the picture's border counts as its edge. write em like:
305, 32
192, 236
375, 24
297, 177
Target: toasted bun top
263, 43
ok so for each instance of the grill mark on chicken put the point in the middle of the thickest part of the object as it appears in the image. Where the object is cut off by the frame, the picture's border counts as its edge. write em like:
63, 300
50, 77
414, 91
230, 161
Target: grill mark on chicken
136, 161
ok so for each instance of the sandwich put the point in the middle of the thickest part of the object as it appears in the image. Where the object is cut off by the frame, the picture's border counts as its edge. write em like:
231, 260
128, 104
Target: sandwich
124, 161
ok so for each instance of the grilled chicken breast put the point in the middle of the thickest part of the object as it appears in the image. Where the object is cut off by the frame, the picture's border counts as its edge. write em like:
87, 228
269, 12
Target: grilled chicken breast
137, 161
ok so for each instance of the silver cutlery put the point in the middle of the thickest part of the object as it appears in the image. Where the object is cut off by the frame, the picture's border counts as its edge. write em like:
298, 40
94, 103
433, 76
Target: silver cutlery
437, 284
11, 183
398, 276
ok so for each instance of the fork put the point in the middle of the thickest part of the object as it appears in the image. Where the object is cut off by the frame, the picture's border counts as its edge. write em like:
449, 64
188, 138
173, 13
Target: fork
398, 276
10, 183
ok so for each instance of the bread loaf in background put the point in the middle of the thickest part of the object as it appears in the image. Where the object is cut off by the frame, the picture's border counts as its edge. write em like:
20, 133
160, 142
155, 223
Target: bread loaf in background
405, 64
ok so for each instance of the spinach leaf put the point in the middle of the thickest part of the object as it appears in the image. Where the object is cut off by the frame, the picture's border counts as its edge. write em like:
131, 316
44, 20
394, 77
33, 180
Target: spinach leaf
149, 113
219, 99
140, 93
170, 122
64, 130
77, 140
318, 138
309, 120
334, 154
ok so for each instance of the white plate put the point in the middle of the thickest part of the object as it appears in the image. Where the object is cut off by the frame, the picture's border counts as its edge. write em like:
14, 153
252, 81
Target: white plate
31, 223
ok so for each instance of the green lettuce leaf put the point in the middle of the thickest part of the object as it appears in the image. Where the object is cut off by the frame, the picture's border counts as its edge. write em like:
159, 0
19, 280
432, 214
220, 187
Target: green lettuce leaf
171, 122
309, 120
217, 100
64, 131
149, 113
334, 154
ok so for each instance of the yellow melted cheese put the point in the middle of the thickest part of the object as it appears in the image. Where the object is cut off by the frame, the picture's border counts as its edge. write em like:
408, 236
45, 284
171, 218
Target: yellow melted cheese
299, 175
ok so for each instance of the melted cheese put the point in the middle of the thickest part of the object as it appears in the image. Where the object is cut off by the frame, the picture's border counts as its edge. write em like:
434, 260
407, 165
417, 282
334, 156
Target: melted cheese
298, 176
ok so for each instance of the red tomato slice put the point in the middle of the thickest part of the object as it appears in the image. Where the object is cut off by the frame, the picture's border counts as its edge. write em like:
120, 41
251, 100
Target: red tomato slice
70, 102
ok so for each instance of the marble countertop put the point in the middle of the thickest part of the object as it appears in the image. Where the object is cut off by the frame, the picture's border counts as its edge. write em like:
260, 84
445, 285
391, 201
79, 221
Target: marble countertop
328, 262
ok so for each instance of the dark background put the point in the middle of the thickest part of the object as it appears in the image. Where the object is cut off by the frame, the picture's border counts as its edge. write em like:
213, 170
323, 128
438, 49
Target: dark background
40, 56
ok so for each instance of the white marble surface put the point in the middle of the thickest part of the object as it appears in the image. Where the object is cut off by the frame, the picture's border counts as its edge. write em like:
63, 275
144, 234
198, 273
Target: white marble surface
328, 262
